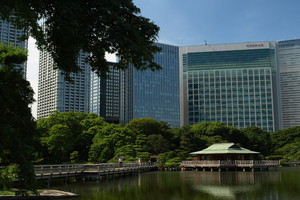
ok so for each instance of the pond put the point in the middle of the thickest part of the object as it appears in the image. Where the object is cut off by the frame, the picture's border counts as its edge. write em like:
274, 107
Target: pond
283, 183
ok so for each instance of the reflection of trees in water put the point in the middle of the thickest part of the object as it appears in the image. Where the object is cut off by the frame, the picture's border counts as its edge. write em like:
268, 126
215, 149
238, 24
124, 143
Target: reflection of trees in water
191, 185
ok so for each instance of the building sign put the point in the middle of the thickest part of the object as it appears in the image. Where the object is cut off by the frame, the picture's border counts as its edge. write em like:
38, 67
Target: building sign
255, 45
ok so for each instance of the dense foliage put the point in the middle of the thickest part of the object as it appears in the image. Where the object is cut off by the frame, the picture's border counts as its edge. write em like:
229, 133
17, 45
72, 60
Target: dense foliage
17, 126
93, 26
79, 137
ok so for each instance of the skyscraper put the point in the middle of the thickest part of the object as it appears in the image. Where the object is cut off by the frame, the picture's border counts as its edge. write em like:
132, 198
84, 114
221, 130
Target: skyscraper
105, 95
11, 35
230, 83
289, 67
152, 94
57, 94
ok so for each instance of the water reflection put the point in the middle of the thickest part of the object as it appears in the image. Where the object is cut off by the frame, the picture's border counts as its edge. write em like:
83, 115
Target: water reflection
267, 185
231, 185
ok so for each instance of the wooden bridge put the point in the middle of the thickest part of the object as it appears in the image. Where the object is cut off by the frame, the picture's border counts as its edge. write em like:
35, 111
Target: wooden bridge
230, 164
90, 170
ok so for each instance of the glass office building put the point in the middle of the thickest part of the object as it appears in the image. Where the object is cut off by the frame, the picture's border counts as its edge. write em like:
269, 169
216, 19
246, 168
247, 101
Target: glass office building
229, 83
11, 35
57, 94
152, 94
105, 95
289, 67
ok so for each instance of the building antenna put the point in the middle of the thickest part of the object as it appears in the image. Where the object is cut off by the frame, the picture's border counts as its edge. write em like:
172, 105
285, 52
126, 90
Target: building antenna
205, 42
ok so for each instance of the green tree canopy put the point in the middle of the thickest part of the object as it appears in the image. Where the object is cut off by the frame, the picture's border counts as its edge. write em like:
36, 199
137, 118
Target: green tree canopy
209, 129
257, 140
80, 134
59, 143
107, 140
93, 26
17, 126
146, 126
286, 136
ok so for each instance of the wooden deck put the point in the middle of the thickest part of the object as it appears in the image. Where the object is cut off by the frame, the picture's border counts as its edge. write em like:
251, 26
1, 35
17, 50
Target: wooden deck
230, 164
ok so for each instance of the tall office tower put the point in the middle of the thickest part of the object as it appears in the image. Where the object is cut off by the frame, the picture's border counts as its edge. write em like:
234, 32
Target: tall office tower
57, 94
11, 35
105, 95
152, 94
289, 67
229, 83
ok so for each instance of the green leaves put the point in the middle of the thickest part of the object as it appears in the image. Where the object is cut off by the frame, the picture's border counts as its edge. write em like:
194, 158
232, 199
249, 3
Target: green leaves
286, 144
8, 175
17, 125
91, 26
63, 133
10, 56
107, 141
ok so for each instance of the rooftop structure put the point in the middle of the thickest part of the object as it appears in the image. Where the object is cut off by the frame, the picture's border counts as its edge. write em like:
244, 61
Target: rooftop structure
224, 148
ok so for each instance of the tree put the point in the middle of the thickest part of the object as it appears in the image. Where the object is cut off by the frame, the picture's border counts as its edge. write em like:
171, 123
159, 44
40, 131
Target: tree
107, 140
144, 126
157, 144
93, 26
257, 140
209, 129
17, 126
286, 136
289, 152
286, 144
59, 143
81, 129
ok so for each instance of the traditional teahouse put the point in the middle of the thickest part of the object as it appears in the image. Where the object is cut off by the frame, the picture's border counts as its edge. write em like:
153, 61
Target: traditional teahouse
227, 156
225, 151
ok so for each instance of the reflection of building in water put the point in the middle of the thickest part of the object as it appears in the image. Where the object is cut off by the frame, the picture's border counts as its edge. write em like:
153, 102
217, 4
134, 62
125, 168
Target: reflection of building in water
233, 185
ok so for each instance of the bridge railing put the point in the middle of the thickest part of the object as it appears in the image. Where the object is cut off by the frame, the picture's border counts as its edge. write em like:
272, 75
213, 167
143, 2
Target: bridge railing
58, 169
41, 170
231, 163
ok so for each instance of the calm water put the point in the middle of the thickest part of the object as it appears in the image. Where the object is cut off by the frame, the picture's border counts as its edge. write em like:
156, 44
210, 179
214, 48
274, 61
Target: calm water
283, 184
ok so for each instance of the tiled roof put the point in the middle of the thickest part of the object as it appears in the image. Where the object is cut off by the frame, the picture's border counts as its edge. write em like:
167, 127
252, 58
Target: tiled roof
224, 148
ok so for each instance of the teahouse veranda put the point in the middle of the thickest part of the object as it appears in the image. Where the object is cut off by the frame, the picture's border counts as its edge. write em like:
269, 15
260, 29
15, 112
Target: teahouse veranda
227, 156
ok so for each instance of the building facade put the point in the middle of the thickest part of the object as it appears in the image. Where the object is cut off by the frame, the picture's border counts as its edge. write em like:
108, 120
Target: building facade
105, 95
57, 94
230, 83
289, 70
11, 35
152, 94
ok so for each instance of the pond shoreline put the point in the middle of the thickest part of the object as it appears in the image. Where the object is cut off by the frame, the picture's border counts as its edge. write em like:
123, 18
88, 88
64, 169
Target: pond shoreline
43, 194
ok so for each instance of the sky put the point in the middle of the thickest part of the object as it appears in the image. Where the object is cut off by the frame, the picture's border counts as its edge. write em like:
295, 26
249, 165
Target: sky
194, 22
